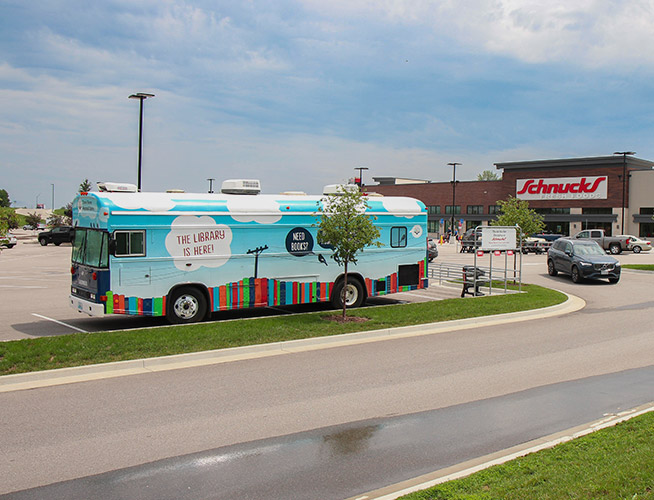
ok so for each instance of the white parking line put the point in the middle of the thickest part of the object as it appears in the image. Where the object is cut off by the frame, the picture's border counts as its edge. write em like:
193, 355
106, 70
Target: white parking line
60, 323
22, 286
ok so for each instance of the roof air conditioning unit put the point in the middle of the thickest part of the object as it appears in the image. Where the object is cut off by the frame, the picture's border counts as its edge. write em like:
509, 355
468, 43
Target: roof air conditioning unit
339, 188
116, 187
241, 186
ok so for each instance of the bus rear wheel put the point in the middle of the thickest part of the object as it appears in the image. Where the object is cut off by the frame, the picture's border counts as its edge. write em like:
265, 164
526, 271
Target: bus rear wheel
353, 295
187, 305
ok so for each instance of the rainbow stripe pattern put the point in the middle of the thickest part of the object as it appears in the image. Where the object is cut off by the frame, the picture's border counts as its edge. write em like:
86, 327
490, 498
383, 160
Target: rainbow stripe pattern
258, 292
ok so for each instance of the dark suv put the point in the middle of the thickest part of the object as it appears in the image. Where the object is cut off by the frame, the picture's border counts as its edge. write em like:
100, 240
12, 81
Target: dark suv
581, 259
57, 235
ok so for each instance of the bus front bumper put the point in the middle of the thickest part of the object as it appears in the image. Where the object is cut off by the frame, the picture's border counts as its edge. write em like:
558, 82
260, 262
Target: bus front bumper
85, 306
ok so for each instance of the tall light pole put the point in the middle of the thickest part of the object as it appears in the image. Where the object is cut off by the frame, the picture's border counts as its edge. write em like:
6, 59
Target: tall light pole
141, 97
211, 184
53, 206
624, 183
454, 181
360, 169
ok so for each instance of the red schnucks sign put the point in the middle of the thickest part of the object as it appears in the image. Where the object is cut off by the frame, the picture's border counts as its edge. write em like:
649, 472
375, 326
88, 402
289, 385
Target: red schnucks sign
562, 188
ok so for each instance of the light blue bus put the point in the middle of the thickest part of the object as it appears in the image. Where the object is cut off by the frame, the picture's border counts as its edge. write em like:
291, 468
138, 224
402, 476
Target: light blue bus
185, 256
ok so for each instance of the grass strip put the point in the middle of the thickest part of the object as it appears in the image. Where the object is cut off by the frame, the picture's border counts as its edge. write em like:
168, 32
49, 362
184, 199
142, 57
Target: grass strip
613, 463
641, 267
79, 349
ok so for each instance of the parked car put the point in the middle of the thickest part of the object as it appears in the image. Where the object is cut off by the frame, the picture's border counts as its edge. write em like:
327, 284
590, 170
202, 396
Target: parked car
432, 249
8, 240
535, 245
614, 244
636, 244
57, 235
581, 259
470, 240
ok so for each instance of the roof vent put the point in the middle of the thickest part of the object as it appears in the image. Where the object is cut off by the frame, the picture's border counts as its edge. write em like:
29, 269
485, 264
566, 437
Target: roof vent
116, 187
241, 186
339, 188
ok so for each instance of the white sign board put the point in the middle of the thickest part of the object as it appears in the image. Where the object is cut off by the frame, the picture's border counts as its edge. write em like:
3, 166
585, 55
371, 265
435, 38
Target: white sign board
562, 188
498, 238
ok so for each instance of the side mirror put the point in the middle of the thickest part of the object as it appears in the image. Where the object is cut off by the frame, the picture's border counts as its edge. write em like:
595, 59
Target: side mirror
568, 252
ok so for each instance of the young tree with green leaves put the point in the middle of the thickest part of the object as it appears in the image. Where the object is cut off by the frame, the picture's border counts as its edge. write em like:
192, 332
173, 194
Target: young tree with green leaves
488, 175
344, 225
515, 211
9, 217
85, 186
33, 219
4, 199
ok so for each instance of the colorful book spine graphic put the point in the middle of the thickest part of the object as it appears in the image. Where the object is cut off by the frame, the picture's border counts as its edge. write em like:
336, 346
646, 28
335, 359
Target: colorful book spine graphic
259, 292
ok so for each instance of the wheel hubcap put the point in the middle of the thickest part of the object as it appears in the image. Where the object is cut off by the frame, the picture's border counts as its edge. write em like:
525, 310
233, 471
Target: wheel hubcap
186, 307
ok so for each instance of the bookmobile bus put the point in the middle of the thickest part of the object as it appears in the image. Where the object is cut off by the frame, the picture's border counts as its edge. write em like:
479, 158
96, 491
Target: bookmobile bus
185, 256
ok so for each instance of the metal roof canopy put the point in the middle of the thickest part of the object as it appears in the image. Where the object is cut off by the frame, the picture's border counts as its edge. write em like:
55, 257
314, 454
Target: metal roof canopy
590, 162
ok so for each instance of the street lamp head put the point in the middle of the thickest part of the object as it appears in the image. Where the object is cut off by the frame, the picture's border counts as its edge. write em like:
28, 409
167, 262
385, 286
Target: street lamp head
140, 95
624, 153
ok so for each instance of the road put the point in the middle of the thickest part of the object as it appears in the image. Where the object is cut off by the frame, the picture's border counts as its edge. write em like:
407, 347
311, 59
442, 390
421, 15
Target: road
337, 422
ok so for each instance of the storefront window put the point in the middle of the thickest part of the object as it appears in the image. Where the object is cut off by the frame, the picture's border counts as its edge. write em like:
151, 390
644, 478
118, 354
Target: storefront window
475, 209
646, 229
596, 210
552, 211
647, 211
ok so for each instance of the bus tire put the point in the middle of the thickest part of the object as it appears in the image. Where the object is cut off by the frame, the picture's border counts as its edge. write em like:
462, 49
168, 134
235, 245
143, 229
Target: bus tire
355, 294
187, 305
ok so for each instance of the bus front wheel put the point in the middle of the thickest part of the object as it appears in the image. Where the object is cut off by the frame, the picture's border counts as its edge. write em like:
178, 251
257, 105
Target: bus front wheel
187, 305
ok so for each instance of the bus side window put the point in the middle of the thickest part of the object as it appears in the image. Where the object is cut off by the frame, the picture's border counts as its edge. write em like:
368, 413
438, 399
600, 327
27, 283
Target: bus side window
129, 243
398, 237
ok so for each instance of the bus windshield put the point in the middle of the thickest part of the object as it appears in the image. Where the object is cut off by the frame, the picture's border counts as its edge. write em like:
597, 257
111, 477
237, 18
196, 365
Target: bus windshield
91, 247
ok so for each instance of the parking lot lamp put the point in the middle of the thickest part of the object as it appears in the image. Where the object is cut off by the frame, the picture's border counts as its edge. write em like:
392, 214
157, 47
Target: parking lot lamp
360, 169
624, 183
141, 97
454, 181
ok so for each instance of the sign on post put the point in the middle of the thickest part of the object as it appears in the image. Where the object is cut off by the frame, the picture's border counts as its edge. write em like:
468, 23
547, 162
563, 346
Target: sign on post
498, 238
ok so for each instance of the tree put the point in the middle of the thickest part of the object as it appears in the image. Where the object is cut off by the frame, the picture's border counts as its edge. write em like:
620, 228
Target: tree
33, 219
85, 186
68, 214
9, 217
4, 199
488, 175
56, 220
515, 211
345, 227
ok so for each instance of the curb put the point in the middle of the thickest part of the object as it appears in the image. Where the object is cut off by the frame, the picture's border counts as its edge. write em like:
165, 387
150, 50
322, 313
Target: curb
60, 376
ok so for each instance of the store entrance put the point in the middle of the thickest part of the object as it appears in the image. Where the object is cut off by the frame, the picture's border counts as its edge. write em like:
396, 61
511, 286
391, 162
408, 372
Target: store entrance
557, 228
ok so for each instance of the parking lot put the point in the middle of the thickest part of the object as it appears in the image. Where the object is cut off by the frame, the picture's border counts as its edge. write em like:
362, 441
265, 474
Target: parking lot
35, 284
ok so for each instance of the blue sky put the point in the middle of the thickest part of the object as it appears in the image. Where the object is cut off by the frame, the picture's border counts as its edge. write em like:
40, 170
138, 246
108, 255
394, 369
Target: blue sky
300, 93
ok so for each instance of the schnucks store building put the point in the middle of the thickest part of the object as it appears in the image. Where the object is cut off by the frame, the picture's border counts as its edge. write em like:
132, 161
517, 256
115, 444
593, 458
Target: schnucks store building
614, 193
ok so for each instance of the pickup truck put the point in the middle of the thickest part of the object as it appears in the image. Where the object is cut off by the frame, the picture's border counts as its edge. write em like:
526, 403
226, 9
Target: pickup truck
57, 235
614, 244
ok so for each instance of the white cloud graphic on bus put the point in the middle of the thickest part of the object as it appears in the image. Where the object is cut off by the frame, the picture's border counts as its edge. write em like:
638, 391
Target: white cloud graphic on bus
194, 242
402, 207
253, 209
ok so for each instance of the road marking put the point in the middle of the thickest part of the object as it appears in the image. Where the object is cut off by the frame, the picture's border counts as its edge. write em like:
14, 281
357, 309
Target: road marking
59, 323
22, 286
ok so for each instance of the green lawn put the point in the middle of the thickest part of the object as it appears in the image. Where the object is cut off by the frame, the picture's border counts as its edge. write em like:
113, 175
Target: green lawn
614, 463
641, 267
90, 348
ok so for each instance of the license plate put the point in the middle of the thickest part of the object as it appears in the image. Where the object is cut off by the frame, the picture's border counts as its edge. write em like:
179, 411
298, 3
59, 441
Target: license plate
604, 272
